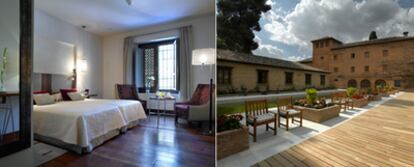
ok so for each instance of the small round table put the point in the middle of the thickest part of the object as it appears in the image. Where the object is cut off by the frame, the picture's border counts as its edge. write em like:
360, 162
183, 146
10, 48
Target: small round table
159, 100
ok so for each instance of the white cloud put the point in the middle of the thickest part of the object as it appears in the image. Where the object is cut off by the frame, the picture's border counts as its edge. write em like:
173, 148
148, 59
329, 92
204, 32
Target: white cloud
267, 50
346, 20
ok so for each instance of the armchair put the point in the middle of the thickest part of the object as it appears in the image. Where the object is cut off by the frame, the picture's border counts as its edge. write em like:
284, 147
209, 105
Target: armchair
129, 92
197, 108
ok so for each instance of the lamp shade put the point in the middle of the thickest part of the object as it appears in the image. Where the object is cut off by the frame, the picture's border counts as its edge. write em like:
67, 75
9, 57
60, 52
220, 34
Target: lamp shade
206, 56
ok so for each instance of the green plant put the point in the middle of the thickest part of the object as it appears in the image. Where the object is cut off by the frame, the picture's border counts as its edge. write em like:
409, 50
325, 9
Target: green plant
229, 122
350, 91
311, 95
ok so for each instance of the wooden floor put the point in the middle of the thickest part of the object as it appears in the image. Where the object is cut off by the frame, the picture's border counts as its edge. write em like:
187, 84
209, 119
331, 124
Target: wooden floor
146, 145
383, 136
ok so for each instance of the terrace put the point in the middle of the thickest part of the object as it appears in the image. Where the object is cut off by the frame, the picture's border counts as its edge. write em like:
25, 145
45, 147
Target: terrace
347, 138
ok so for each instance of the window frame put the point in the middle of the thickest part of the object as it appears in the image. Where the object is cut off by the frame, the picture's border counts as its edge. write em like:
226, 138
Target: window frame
290, 81
308, 81
366, 69
352, 69
323, 80
261, 80
155, 46
226, 68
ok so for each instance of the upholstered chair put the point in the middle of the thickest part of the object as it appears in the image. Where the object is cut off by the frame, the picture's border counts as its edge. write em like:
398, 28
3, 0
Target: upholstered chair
197, 108
129, 92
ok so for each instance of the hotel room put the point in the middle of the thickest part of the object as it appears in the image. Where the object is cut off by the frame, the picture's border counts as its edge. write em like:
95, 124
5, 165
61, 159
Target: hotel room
107, 83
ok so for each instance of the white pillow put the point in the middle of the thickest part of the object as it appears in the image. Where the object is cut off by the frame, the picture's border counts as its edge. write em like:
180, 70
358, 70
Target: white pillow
75, 96
43, 99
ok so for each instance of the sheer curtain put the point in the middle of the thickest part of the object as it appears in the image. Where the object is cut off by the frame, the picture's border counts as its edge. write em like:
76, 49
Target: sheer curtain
128, 59
186, 47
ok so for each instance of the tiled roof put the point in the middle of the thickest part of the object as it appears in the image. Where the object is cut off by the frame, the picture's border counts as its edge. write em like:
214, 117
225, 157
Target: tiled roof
372, 42
307, 60
260, 60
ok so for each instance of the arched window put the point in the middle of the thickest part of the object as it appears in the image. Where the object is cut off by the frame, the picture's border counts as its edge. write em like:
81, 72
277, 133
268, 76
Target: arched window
352, 83
365, 83
380, 82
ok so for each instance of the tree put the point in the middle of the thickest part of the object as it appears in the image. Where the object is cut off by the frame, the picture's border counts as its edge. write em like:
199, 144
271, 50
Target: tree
236, 21
372, 35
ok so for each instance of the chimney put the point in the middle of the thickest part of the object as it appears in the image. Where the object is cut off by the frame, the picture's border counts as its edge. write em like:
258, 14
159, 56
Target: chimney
405, 34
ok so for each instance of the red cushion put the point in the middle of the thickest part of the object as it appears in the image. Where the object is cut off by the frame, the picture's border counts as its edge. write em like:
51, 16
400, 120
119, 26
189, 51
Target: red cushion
41, 92
65, 92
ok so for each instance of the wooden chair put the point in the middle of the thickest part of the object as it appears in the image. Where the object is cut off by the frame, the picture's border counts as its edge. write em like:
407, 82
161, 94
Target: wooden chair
258, 114
340, 99
285, 109
129, 92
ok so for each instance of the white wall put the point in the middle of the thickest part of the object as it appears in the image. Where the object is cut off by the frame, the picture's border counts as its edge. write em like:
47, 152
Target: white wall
204, 37
88, 46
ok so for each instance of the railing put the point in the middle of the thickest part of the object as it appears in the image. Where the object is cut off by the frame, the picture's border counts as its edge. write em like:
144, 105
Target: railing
270, 97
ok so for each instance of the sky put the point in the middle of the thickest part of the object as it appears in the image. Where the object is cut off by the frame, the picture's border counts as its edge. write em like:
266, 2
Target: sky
290, 25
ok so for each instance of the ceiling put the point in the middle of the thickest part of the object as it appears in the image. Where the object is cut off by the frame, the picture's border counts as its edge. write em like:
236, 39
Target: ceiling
111, 16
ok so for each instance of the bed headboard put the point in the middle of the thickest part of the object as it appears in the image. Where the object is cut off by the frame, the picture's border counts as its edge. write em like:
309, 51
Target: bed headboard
52, 83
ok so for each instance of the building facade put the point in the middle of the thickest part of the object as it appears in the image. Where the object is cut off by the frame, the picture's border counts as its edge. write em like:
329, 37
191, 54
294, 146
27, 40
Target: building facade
387, 61
238, 71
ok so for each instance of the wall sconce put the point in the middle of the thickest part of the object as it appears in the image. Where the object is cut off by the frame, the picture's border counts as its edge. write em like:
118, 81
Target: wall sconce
83, 65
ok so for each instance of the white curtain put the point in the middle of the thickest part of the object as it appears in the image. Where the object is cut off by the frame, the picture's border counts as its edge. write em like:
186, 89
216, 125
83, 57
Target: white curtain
186, 47
128, 60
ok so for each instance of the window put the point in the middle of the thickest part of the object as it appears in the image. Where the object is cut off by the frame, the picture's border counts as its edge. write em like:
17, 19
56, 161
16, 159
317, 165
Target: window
288, 78
397, 83
353, 56
385, 53
317, 44
323, 80
384, 67
366, 54
262, 76
366, 68
352, 69
336, 69
335, 57
326, 43
308, 79
224, 75
322, 57
160, 65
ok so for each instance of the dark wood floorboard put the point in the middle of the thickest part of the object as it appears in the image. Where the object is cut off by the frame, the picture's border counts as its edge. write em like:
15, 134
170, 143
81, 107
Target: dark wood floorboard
146, 145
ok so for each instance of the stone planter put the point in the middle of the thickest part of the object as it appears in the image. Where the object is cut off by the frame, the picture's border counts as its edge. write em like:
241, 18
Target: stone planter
232, 141
374, 97
360, 102
320, 115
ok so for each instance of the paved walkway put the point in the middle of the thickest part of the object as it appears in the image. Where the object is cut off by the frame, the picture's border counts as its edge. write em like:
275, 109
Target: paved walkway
382, 136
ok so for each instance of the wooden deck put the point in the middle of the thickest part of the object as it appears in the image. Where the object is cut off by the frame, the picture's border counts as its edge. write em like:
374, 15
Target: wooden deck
383, 136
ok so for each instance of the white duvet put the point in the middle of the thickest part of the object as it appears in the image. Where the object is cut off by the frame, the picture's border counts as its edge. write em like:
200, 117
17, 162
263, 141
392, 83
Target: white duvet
79, 122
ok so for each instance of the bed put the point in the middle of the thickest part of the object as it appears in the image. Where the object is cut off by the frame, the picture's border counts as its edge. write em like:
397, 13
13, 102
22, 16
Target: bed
80, 126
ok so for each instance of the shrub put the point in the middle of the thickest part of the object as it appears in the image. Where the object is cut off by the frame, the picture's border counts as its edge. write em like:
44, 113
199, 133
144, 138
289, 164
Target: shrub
311, 95
350, 91
229, 122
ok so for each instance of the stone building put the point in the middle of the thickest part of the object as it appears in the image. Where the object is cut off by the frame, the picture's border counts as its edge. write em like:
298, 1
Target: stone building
256, 73
367, 63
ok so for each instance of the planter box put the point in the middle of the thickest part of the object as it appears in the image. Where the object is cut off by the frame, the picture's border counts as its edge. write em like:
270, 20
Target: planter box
232, 141
360, 102
320, 115
374, 97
